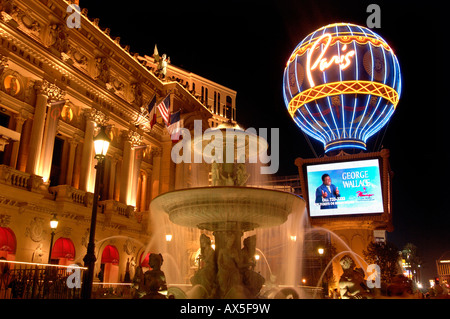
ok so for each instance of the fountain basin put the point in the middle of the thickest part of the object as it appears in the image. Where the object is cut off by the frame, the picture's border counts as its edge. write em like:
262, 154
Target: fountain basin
227, 207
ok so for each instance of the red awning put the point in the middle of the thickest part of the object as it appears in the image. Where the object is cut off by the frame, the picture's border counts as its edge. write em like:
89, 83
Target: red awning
144, 262
63, 248
110, 255
7, 240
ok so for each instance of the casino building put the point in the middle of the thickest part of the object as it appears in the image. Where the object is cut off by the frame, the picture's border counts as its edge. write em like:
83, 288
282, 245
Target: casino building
58, 85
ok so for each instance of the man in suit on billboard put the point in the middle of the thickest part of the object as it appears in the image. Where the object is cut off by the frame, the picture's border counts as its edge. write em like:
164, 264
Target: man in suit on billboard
327, 193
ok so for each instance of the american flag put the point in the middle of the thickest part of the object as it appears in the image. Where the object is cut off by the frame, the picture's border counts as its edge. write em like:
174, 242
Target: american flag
163, 108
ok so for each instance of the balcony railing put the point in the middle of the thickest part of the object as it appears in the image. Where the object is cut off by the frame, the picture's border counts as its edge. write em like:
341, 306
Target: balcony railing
12, 177
22, 280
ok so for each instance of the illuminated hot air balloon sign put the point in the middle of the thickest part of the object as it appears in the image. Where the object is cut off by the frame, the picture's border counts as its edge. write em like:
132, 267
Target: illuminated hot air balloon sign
341, 85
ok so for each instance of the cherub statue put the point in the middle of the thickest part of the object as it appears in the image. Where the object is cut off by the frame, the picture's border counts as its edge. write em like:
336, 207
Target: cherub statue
156, 274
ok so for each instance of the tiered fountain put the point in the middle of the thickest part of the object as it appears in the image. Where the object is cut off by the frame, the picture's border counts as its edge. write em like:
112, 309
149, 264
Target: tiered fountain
228, 209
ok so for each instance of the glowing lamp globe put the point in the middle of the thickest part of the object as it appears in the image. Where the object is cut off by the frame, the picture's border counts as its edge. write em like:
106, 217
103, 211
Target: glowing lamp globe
341, 85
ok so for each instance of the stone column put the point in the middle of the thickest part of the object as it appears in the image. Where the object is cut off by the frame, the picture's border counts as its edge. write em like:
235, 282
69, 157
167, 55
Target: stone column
126, 170
24, 147
112, 176
37, 130
64, 163
87, 174
156, 155
143, 197
56, 102
138, 153
117, 179
73, 143
88, 153
20, 119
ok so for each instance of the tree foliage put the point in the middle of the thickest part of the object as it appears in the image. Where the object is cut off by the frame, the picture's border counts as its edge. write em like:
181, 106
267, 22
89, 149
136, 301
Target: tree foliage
386, 256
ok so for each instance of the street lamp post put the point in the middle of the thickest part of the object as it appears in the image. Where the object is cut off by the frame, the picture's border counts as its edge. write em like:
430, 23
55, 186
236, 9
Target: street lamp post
101, 144
53, 226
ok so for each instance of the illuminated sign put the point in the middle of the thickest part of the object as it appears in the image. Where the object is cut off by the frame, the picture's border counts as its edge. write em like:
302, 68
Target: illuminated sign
342, 60
341, 85
344, 188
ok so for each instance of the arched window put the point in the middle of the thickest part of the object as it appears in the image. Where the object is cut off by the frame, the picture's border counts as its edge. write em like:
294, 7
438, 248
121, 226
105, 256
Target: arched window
7, 243
109, 268
63, 251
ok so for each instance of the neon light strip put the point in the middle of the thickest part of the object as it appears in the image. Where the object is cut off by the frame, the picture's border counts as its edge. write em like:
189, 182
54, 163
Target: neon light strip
381, 124
308, 131
323, 118
331, 109
370, 119
357, 78
376, 108
296, 80
345, 146
371, 80
38, 264
343, 39
342, 95
344, 87
346, 141
289, 86
309, 123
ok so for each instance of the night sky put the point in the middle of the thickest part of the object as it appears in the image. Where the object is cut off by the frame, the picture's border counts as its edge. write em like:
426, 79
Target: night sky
244, 45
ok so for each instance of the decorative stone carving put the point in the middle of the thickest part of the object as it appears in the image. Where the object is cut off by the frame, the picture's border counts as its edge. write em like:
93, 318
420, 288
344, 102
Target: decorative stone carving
4, 62
115, 86
134, 137
58, 38
5, 220
36, 229
136, 93
26, 22
7, 6
52, 91
156, 152
12, 83
37, 254
102, 70
79, 59
97, 116
85, 238
128, 247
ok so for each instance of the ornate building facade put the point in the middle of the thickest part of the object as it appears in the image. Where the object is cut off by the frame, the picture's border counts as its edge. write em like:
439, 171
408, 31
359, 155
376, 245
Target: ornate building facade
58, 85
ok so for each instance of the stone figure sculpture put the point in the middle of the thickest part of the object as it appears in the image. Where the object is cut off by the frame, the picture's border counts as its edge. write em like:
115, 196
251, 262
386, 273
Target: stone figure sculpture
252, 280
156, 276
228, 274
38, 254
352, 284
206, 275
241, 175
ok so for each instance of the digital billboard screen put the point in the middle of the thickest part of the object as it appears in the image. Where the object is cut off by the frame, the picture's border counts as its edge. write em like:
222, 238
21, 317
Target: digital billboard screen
344, 188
